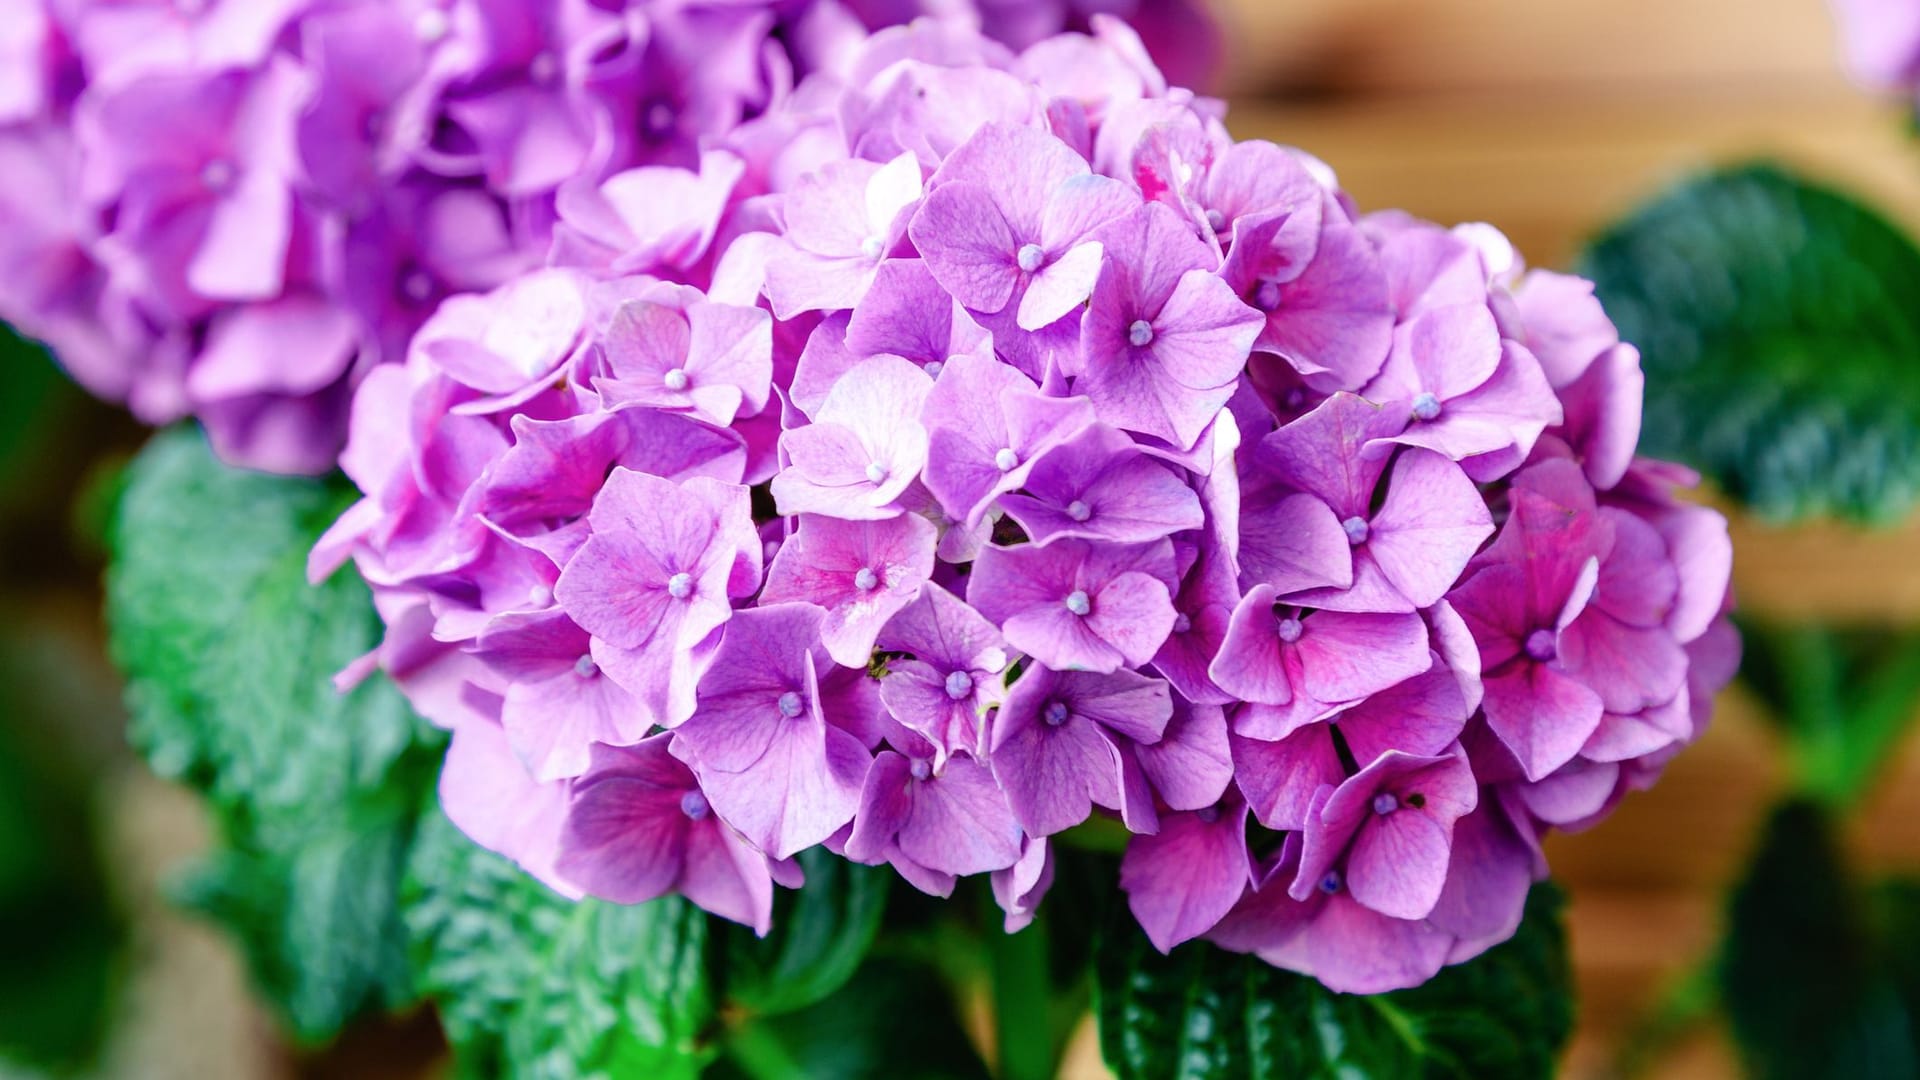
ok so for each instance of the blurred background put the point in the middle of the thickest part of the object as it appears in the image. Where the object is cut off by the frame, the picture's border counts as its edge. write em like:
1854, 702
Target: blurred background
1549, 120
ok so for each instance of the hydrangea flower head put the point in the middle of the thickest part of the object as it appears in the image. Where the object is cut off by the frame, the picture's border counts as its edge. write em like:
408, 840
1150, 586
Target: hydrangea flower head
1034, 451
235, 209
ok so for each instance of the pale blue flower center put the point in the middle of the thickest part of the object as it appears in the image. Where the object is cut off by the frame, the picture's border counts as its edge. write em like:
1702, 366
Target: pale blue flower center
217, 175
694, 805
1030, 257
872, 246
866, 580
1208, 814
675, 378
585, 667
791, 705
1181, 624
1140, 333
431, 25
1005, 459
1356, 529
1290, 630
543, 67
1331, 883
1055, 713
1267, 296
1216, 220
876, 473
933, 368
1385, 803
1542, 646
540, 596
921, 768
658, 120
680, 585
1079, 511
959, 684
1079, 602
1426, 406
417, 286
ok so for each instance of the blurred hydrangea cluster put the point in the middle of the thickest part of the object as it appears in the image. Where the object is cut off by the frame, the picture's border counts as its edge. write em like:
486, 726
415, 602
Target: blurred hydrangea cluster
1881, 41
234, 209
979, 440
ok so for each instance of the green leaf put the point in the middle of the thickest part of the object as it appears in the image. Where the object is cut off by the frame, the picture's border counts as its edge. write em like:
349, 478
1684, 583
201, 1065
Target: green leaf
531, 984
1201, 1012
820, 934
893, 1021
229, 656
1779, 323
1805, 975
1843, 697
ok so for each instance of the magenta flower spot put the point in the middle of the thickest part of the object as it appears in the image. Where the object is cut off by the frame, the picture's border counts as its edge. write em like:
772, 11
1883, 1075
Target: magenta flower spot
1008, 223
1099, 485
933, 824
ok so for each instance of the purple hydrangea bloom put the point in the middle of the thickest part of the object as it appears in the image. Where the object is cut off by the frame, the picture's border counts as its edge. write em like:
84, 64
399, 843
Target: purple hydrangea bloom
759, 738
1063, 743
865, 446
655, 578
949, 674
965, 443
638, 826
988, 426
1163, 336
1075, 605
321, 175
861, 572
934, 822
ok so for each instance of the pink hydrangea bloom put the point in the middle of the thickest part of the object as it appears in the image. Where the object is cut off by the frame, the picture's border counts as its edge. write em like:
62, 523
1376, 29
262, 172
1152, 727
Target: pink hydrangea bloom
1033, 450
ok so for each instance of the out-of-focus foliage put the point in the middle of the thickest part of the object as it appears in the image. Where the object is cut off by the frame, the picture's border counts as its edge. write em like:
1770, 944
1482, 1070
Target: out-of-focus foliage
1200, 1012
1818, 981
1779, 327
229, 657
532, 984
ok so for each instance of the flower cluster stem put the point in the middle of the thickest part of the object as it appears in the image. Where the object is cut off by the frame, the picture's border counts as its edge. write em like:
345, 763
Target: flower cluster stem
1023, 1028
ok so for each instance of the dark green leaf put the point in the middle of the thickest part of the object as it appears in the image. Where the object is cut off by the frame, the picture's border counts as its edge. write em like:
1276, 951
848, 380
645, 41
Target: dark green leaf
820, 934
1895, 905
58, 930
1779, 323
1804, 975
531, 984
229, 656
1201, 1012
892, 1021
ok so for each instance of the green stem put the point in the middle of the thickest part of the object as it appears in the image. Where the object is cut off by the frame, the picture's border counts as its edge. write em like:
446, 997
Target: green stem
1021, 1017
760, 1053
1686, 1003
